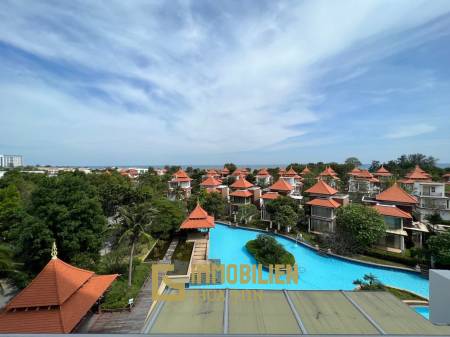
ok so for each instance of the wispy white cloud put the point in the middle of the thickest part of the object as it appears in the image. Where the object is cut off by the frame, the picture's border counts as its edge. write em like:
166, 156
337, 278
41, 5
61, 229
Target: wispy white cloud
158, 79
413, 130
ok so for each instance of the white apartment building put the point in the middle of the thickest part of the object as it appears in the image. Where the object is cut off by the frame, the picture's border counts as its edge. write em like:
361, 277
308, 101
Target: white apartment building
432, 199
10, 160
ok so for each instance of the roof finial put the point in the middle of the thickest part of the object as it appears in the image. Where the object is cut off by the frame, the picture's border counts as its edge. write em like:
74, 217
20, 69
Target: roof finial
54, 251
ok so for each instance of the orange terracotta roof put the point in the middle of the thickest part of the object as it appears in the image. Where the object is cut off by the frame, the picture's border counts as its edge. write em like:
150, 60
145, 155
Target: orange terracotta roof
212, 172
446, 175
321, 187
198, 219
328, 172
241, 183
263, 173
63, 294
225, 171
180, 176
270, 195
396, 194
241, 193
329, 203
418, 174
354, 171
306, 170
362, 174
382, 172
212, 190
290, 173
210, 181
392, 211
281, 185
240, 172
281, 171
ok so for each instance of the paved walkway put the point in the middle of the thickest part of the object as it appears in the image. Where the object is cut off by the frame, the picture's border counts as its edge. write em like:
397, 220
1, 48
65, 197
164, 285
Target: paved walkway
126, 321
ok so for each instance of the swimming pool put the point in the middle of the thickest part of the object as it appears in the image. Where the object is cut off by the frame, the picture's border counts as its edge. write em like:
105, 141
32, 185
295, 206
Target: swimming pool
316, 272
423, 310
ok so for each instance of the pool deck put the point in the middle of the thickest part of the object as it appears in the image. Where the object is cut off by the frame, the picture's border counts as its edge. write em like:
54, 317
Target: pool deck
288, 312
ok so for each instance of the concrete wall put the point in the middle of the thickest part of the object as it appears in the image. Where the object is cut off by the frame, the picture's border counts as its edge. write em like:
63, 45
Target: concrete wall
440, 296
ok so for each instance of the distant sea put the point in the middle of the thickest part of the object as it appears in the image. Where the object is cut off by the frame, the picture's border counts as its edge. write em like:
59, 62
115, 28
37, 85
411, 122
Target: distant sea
252, 166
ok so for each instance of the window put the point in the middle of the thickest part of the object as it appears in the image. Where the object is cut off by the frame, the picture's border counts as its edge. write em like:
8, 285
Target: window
433, 189
321, 211
393, 223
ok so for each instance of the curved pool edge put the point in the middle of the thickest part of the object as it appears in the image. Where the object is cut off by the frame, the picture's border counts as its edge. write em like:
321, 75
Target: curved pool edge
379, 265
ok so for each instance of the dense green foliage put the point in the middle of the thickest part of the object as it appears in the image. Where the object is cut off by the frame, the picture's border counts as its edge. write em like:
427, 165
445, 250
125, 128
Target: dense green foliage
286, 212
213, 203
246, 213
119, 293
72, 210
358, 228
439, 248
266, 250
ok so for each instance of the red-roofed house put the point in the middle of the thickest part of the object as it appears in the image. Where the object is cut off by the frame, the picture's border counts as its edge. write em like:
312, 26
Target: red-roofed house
305, 171
211, 184
323, 203
263, 178
55, 301
446, 178
224, 172
180, 185
198, 219
363, 182
416, 175
382, 173
293, 179
329, 176
243, 193
401, 227
394, 218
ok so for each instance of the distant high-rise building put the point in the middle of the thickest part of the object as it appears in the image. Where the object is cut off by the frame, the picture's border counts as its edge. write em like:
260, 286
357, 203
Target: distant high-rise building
10, 160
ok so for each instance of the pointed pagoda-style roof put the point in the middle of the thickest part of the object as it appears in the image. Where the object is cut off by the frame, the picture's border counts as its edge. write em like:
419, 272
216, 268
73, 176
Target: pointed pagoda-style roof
328, 172
241, 193
181, 176
393, 211
210, 181
329, 203
382, 172
225, 171
263, 173
281, 186
241, 183
306, 170
240, 172
290, 173
354, 172
418, 174
321, 187
281, 171
396, 194
55, 301
198, 218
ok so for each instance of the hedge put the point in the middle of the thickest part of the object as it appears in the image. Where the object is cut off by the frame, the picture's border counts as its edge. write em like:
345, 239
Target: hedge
393, 257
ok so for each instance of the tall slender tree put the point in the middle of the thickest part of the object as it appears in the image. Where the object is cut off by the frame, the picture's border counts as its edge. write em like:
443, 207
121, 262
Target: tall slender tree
134, 222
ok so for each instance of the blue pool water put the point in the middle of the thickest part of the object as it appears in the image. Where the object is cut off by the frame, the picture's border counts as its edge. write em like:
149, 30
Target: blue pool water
423, 310
316, 272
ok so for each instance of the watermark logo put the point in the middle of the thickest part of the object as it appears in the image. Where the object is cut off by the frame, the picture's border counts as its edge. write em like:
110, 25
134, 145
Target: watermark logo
214, 274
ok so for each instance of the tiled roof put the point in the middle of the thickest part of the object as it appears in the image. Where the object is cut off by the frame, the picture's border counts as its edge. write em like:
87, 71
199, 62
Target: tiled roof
180, 176
446, 175
225, 171
306, 170
321, 187
290, 173
382, 172
210, 181
396, 194
355, 171
62, 293
329, 203
281, 185
270, 195
241, 193
392, 211
263, 173
418, 174
198, 219
241, 183
240, 172
328, 172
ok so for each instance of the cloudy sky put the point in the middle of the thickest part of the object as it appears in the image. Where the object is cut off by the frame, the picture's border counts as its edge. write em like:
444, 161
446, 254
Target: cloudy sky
203, 82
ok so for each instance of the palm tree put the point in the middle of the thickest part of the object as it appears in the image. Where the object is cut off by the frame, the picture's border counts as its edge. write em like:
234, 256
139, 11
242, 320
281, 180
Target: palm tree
133, 223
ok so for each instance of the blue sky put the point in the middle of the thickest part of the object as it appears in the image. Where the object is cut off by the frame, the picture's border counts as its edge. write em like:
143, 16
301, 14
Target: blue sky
204, 82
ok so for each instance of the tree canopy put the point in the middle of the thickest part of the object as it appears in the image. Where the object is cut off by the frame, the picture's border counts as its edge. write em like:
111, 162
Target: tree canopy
358, 227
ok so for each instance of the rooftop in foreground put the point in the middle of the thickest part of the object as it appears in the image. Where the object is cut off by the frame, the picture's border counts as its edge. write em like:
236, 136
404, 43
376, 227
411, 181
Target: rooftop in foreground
290, 313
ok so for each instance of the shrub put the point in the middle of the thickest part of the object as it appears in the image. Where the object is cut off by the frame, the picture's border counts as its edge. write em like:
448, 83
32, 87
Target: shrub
266, 250
394, 257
